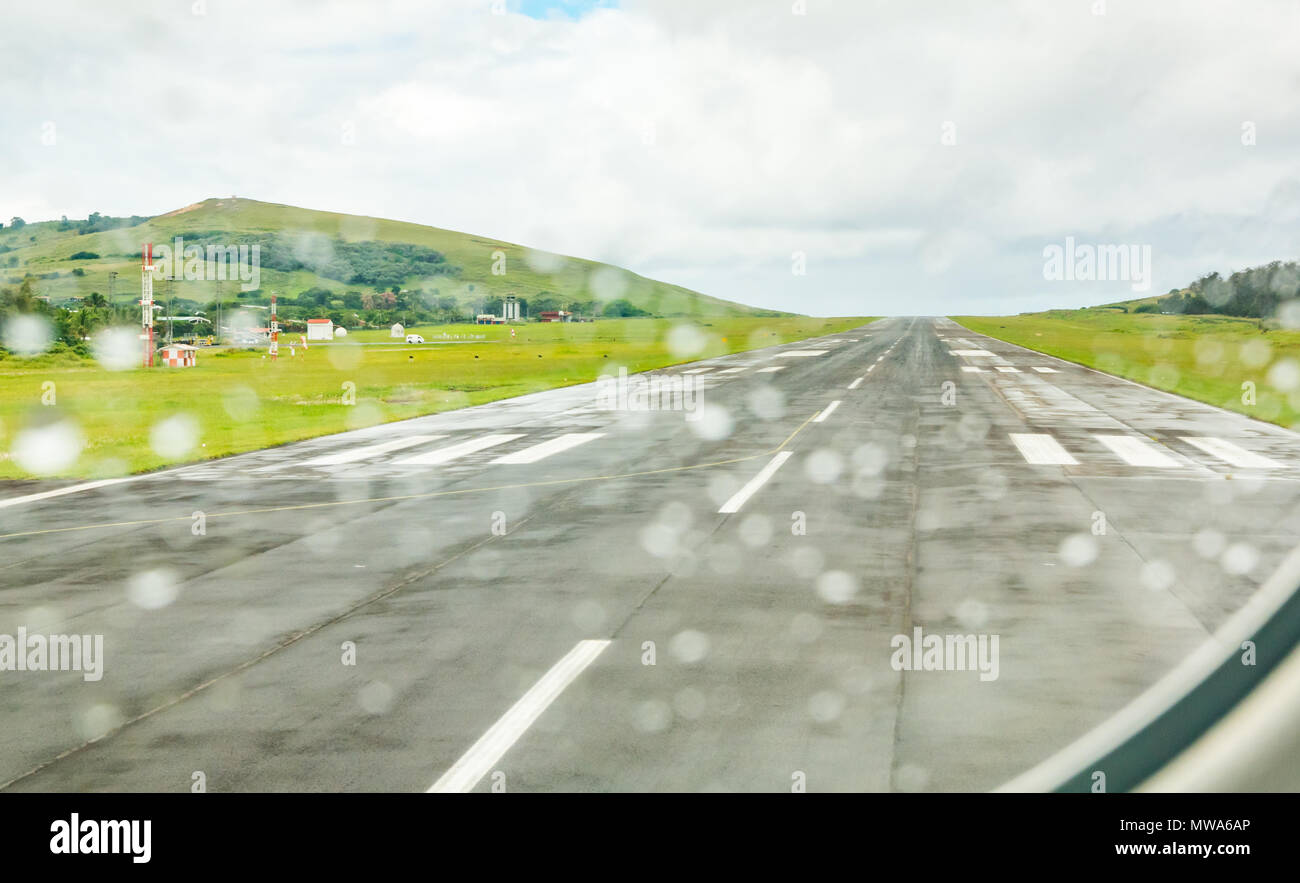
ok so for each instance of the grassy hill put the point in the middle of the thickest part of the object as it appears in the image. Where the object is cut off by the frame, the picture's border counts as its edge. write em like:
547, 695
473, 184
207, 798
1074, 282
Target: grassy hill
45, 250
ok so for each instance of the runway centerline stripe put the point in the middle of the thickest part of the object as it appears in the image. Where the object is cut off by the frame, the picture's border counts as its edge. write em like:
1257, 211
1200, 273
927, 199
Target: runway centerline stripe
1041, 449
352, 455
830, 409
855, 384
475, 763
547, 448
1232, 454
452, 452
1136, 452
751, 487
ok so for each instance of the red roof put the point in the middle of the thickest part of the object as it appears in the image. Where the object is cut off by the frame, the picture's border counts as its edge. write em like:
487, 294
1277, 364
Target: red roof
318, 321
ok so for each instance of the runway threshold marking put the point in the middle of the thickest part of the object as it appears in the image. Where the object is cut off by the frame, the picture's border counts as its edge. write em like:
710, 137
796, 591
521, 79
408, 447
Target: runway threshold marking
1232, 454
828, 411
1007, 369
452, 452
1136, 452
400, 498
352, 455
770, 369
751, 487
478, 761
972, 369
70, 489
547, 448
1043, 369
1040, 449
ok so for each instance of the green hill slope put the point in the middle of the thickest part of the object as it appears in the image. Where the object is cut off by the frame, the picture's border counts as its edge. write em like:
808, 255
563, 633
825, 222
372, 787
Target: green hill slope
292, 235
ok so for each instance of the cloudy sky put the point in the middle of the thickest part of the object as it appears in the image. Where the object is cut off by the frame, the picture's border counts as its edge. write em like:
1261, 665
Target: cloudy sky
920, 154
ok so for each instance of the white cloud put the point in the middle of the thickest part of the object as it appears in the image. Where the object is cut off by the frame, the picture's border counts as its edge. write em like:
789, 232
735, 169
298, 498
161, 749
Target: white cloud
703, 143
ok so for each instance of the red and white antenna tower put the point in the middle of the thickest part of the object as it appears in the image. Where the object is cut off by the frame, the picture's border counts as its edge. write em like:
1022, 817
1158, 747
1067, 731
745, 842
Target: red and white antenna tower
275, 332
146, 301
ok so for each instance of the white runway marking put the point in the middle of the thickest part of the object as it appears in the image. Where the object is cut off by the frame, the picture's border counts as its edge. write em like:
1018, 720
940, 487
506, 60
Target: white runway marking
547, 448
970, 353
855, 384
734, 370
1232, 454
1041, 369
804, 353
70, 489
971, 369
492, 745
770, 369
1042, 450
871, 368
352, 455
447, 454
828, 411
698, 370
1136, 452
1007, 369
739, 497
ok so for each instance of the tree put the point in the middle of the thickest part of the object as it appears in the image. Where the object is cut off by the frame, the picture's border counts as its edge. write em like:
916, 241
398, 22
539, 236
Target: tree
17, 223
622, 307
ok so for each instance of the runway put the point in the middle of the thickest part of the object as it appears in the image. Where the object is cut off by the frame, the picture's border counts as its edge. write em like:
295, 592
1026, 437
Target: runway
548, 593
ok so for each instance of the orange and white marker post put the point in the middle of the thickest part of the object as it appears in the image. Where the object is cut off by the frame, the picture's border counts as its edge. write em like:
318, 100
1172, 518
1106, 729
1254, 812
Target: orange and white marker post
275, 332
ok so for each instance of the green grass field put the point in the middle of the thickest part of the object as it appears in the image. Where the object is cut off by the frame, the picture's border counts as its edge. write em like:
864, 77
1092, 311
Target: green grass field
238, 401
1207, 358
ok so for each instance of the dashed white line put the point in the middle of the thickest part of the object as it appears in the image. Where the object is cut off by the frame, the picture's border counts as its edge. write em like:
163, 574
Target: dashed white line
1042, 450
739, 497
803, 353
972, 369
855, 384
1233, 454
365, 452
492, 745
698, 370
444, 455
770, 369
1043, 369
1007, 369
547, 448
734, 370
826, 412
1136, 452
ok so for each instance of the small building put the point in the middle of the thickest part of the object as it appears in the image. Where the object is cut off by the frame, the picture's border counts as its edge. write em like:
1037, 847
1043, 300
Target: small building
397, 330
488, 319
555, 316
178, 355
320, 329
